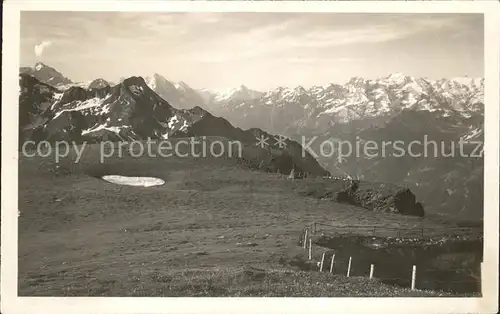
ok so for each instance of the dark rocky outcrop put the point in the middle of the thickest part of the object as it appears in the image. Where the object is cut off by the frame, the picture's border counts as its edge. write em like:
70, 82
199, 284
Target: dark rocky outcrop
378, 197
381, 197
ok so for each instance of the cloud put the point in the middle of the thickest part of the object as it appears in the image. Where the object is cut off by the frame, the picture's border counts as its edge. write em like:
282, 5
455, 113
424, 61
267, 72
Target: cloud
295, 40
288, 41
41, 47
316, 60
256, 48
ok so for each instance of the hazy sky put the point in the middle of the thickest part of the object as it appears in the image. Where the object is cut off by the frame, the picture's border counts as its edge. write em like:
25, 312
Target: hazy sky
260, 50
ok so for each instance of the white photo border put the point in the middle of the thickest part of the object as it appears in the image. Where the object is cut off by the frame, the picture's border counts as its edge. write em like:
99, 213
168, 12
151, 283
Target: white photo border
11, 303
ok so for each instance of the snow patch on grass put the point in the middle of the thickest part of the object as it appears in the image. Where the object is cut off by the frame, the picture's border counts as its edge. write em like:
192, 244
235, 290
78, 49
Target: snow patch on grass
133, 181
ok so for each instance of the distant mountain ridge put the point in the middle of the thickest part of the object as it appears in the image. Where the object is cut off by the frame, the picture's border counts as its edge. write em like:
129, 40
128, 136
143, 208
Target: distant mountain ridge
288, 110
298, 108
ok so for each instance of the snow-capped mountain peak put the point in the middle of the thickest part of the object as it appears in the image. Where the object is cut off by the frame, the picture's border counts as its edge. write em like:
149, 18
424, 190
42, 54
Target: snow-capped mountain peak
396, 78
179, 94
238, 94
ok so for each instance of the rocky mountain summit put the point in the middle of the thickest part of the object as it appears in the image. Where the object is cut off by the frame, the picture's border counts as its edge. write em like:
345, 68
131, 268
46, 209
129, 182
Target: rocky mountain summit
46, 74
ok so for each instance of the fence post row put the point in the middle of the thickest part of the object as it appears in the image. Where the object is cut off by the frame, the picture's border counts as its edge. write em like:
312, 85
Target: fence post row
401, 232
372, 266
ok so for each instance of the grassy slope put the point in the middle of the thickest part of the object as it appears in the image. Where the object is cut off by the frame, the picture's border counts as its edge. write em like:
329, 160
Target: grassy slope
195, 235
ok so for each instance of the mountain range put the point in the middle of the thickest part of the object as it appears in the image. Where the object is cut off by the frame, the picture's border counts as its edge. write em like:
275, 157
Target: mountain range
315, 108
392, 108
292, 110
132, 111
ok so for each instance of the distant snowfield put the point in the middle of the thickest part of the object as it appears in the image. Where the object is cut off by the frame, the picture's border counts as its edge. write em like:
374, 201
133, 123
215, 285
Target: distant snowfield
133, 181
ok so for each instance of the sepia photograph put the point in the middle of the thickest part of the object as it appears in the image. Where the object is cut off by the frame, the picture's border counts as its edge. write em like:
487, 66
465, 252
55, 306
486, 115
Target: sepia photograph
251, 154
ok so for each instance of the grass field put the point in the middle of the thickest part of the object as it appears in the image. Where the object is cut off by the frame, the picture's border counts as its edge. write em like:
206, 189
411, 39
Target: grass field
214, 229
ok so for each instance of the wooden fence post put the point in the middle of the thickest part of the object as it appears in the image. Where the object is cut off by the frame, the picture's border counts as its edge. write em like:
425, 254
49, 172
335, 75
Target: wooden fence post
315, 227
322, 261
480, 277
372, 268
413, 276
305, 240
310, 249
349, 267
331, 263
